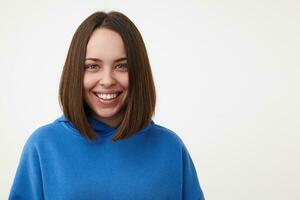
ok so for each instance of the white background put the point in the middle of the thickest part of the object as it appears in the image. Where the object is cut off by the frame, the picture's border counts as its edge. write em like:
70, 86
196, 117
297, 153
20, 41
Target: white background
227, 77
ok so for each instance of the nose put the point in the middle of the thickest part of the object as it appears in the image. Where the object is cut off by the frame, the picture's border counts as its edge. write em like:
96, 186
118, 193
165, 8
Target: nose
107, 78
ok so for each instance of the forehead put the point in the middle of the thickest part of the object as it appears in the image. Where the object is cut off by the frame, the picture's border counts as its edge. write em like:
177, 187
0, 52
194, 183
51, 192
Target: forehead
105, 44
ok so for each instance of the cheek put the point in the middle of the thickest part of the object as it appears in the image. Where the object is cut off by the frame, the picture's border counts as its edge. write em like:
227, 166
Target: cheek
88, 81
124, 81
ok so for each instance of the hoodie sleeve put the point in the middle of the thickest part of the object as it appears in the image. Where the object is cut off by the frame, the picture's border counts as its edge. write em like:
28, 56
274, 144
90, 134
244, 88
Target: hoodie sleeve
191, 188
28, 179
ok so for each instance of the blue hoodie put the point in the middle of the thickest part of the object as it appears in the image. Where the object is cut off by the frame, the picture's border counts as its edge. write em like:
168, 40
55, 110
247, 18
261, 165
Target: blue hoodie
57, 163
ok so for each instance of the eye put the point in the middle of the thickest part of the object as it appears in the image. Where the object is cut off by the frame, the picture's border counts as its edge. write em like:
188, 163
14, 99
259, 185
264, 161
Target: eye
92, 67
121, 67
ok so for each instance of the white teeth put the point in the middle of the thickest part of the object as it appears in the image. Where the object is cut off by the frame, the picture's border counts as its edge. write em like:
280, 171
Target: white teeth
107, 96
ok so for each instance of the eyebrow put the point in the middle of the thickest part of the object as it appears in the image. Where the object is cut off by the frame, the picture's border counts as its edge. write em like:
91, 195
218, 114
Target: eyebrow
99, 60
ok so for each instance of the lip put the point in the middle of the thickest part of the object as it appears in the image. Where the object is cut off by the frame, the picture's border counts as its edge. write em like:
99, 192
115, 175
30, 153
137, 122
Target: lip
108, 103
107, 92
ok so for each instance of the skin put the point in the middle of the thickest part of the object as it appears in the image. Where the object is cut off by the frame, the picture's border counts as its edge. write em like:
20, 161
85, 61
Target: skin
106, 72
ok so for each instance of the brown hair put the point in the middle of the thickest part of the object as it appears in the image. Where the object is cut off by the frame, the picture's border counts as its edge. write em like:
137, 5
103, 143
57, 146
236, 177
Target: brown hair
140, 104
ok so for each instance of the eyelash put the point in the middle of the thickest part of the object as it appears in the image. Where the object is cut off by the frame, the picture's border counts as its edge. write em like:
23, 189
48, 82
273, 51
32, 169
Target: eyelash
122, 66
90, 66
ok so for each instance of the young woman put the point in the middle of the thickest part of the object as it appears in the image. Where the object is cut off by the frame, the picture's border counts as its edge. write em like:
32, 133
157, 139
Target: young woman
106, 146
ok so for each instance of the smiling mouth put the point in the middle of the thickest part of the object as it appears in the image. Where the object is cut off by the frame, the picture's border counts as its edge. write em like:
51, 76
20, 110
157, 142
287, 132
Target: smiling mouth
107, 96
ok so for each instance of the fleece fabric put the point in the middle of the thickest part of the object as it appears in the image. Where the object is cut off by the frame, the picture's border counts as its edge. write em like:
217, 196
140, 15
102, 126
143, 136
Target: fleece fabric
57, 163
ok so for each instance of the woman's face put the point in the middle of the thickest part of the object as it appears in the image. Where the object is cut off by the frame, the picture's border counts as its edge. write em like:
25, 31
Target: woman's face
105, 78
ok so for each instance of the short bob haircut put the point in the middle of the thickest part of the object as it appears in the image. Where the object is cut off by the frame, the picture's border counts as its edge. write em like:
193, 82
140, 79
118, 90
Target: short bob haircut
140, 103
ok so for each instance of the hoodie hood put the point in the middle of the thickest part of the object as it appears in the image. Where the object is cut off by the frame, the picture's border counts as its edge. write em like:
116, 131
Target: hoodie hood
99, 127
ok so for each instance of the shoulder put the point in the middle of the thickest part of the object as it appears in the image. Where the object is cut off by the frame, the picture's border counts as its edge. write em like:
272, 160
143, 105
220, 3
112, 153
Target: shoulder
165, 134
45, 133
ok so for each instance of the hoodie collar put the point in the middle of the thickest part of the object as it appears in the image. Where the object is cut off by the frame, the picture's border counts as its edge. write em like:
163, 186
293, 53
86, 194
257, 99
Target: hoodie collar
98, 126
